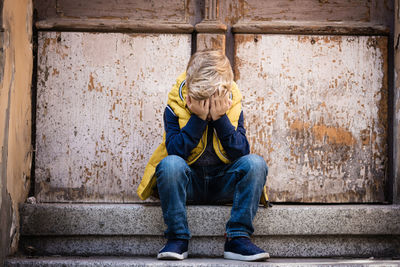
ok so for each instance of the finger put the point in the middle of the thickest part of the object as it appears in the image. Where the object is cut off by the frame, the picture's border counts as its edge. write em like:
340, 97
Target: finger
205, 104
216, 101
229, 103
196, 102
212, 102
226, 99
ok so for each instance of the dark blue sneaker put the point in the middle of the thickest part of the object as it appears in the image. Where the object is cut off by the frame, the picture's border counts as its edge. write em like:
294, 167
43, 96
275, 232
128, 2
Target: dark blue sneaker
241, 248
175, 249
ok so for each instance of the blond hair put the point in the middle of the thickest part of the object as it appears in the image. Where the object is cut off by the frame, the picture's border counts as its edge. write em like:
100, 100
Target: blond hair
207, 72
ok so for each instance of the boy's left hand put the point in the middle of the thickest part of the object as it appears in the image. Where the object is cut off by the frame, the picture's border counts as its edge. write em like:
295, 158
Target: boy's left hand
219, 105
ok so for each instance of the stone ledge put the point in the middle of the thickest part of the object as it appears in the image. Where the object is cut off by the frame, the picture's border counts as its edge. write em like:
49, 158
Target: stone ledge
277, 246
199, 262
146, 220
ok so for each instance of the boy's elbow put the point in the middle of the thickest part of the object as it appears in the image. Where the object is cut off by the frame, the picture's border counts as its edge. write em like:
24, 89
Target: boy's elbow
171, 150
234, 155
245, 153
247, 149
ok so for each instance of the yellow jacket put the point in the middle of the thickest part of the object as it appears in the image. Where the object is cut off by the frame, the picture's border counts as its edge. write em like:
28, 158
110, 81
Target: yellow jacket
177, 101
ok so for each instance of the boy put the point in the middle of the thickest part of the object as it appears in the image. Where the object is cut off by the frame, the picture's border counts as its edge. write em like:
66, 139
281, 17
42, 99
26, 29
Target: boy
204, 158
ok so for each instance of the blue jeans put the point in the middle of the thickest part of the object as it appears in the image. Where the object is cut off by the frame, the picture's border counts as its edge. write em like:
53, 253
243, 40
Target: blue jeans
240, 183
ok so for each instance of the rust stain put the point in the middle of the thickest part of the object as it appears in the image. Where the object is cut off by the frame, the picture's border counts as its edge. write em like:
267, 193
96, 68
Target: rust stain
333, 135
260, 99
217, 43
383, 102
367, 138
299, 125
55, 72
303, 39
88, 175
91, 85
246, 38
46, 43
235, 11
323, 133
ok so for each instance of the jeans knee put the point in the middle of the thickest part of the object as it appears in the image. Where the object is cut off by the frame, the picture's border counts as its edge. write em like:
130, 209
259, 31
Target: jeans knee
257, 166
171, 167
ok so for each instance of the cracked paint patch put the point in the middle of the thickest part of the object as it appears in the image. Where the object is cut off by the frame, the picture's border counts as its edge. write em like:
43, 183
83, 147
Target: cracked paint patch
100, 117
316, 110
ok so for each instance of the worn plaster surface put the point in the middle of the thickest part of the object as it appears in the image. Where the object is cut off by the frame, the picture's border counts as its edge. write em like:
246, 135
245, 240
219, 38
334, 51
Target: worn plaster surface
101, 97
316, 110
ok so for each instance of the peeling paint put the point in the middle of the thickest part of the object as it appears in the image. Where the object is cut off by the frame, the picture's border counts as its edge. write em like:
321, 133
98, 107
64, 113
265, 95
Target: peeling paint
307, 10
172, 11
15, 120
210, 41
101, 115
321, 115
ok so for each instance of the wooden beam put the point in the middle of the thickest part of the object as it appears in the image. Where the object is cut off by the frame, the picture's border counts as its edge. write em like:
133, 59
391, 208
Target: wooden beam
331, 28
395, 192
112, 25
211, 27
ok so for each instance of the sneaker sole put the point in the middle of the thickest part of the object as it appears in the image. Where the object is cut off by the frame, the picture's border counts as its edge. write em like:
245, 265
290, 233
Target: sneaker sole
172, 256
256, 257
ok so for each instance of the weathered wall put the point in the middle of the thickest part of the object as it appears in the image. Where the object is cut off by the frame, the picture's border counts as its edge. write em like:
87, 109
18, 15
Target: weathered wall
15, 119
316, 110
315, 107
100, 102
321, 147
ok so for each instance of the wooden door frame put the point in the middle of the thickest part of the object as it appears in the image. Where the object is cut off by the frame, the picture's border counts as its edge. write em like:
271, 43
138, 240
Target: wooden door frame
213, 24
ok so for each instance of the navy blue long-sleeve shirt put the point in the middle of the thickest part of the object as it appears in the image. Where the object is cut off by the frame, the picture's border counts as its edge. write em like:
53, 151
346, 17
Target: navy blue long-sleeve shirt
181, 142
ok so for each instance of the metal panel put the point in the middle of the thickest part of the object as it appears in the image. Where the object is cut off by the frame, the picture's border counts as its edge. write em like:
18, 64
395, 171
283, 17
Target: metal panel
99, 111
316, 110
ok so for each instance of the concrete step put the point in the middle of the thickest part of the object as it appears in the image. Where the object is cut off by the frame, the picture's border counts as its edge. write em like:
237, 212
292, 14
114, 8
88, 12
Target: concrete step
283, 230
200, 262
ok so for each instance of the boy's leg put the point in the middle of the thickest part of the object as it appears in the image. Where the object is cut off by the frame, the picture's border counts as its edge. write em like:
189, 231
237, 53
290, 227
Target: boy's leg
242, 182
251, 174
173, 181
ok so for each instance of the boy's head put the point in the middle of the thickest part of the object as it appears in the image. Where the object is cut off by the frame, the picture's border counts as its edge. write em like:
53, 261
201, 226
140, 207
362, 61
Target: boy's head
207, 72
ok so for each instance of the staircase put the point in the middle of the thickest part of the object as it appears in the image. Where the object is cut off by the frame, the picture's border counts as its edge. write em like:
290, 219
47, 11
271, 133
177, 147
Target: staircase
94, 234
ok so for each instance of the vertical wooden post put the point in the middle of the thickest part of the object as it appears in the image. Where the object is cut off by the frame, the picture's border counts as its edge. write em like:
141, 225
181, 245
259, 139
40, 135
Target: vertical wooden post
396, 101
211, 32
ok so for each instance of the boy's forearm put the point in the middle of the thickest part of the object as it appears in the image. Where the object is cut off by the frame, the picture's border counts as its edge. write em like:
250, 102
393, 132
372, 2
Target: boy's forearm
181, 142
233, 141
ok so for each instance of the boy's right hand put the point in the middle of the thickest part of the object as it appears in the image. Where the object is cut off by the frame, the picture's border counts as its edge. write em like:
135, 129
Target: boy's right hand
199, 107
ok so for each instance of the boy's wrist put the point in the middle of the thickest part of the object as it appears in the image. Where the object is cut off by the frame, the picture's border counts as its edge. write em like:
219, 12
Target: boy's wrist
221, 121
201, 117
217, 117
198, 119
